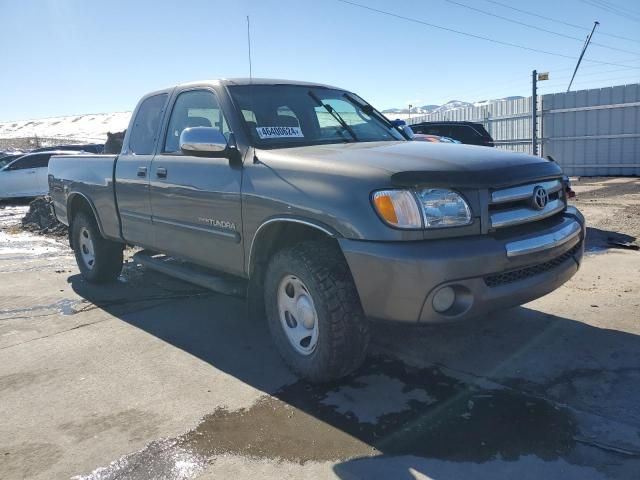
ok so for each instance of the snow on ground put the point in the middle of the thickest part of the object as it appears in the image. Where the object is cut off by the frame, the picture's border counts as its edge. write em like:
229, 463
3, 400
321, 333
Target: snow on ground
15, 244
11, 215
91, 126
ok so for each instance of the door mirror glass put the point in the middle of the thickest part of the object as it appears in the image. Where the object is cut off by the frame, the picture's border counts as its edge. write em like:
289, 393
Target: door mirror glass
203, 142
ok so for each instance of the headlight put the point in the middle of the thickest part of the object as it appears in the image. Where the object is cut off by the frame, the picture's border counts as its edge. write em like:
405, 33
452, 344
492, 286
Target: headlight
428, 208
443, 208
398, 208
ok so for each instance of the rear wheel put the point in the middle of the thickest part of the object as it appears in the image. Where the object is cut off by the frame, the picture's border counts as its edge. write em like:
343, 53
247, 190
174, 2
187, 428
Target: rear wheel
314, 312
99, 259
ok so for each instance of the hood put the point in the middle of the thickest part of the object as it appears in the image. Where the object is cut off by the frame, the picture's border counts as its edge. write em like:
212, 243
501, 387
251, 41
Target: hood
438, 164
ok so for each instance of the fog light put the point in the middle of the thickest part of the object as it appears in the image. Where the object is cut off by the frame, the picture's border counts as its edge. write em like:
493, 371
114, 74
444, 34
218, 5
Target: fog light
443, 299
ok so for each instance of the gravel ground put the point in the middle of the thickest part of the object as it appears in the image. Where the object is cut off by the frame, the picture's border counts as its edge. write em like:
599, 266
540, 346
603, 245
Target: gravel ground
611, 205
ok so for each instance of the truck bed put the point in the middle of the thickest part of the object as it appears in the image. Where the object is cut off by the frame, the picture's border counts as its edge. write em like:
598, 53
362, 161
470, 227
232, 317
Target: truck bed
88, 176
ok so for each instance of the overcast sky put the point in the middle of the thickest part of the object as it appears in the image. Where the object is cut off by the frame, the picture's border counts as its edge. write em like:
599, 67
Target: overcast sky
63, 57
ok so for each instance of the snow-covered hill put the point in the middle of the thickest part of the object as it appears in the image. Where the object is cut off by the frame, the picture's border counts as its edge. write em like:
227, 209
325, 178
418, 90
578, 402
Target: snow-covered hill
428, 109
90, 127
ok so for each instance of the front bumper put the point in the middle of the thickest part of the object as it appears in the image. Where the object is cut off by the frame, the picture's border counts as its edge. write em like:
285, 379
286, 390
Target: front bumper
398, 280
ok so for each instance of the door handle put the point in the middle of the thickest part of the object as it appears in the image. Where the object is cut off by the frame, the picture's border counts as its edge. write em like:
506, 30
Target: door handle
161, 173
142, 171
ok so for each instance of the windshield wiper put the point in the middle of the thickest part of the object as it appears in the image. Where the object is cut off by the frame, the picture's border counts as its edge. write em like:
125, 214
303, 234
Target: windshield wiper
334, 114
372, 112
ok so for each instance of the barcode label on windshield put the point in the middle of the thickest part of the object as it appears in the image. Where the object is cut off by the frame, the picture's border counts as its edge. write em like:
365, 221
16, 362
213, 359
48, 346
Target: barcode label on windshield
279, 132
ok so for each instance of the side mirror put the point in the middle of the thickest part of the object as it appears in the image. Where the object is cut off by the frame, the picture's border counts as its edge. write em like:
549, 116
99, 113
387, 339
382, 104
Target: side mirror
203, 142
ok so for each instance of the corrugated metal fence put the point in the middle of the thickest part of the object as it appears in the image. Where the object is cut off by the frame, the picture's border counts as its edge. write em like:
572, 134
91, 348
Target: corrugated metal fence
588, 132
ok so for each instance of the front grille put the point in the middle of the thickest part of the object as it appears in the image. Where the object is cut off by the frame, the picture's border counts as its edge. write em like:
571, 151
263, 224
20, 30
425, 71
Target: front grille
514, 205
504, 278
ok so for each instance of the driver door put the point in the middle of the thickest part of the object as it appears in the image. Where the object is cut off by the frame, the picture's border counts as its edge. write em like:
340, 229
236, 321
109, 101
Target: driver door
195, 201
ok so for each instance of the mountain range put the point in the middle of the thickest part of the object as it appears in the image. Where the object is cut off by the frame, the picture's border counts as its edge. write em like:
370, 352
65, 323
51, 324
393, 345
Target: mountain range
451, 105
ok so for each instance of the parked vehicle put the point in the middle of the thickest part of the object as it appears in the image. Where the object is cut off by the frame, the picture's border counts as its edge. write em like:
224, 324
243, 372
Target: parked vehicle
410, 134
469, 133
305, 196
87, 147
26, 175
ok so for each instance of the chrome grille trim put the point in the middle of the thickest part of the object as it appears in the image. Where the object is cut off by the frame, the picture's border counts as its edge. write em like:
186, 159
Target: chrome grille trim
523, 192
520, 215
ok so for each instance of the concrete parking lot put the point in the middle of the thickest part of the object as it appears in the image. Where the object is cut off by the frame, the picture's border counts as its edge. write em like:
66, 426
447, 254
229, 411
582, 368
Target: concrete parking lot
154, 378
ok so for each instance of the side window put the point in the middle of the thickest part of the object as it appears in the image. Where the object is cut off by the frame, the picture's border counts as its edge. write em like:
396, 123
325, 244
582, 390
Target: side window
147, 123
441, 131
40, 161
20, 164
32, 161
194, 108
468, 135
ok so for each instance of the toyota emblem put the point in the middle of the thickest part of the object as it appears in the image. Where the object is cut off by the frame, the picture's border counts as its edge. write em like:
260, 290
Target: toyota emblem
540, 198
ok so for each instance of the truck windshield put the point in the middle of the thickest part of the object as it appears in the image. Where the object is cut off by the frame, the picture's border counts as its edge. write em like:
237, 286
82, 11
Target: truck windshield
279, 116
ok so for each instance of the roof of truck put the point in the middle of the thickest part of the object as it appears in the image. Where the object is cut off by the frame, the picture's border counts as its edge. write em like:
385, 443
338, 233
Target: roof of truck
236, 81
256, 81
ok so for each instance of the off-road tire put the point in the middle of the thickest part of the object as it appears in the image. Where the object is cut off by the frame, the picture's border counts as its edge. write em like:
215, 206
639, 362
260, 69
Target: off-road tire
343, 334
108, 255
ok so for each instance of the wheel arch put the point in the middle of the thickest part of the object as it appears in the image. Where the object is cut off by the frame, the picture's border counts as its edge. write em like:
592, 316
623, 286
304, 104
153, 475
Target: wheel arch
79, 202
277, 233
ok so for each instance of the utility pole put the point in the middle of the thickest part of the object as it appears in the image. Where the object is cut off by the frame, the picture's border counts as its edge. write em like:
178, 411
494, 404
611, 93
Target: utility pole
534, 112
584, 49
410, 111
535, 77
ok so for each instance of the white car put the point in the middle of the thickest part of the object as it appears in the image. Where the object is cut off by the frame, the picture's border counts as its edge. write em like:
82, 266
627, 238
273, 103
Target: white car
26, 176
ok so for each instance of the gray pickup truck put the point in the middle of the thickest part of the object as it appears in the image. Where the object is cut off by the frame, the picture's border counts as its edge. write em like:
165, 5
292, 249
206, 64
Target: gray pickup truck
306, 198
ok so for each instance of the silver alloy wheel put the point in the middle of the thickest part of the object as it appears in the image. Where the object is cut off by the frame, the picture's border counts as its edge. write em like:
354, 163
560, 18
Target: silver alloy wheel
86, 248
298, 315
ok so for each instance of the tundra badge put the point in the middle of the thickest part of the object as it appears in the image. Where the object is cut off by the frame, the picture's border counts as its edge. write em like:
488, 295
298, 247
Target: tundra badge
218, 223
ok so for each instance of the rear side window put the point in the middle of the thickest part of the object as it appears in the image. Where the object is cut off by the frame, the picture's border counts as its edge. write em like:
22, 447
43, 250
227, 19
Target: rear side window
465, 134
144, 131
32, 161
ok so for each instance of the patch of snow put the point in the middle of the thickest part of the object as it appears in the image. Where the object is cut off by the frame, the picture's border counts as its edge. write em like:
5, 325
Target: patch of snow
11, 216
28, 245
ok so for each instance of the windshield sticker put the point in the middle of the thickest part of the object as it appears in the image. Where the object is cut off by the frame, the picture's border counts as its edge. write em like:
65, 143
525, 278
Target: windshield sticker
279, 132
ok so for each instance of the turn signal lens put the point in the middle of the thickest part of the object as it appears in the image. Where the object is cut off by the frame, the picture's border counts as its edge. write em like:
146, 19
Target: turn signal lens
398, 208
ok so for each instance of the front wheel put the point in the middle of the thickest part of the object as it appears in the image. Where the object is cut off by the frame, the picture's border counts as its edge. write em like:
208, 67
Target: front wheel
99, 259
314, 311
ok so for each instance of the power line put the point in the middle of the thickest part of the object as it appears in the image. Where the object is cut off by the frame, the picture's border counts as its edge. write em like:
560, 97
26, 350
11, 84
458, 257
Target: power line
591, 74
562, 22
621, 7
592, 81
473, 35
528, 25
608, 7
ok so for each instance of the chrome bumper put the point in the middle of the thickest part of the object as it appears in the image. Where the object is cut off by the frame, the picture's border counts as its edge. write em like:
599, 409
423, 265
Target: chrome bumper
568, 234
